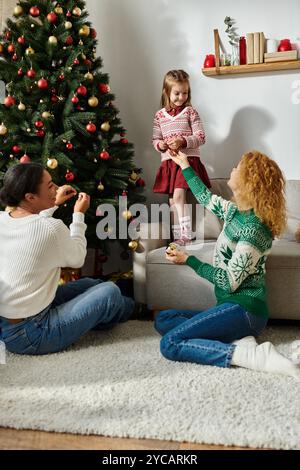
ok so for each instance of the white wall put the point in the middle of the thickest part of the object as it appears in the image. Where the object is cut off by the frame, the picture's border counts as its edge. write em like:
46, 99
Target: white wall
139, 40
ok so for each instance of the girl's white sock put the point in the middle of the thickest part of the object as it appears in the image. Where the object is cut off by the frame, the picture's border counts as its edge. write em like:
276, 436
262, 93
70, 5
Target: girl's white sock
246, 341
176, 230
186, 227
265, 358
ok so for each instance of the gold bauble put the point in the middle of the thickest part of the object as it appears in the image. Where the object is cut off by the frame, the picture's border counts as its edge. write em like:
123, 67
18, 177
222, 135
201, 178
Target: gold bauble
21, 107
89, 76
46, 115
84, 30
93, 101
68, 25
18, 10
100, 187
58, 10
52, 40
3, 129
133, 245
1, 48
83, 56
76, 11
29, 51
105, 126
52, 163
127, 215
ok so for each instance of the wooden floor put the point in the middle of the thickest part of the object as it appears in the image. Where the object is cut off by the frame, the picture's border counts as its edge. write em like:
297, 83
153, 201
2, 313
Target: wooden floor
12, 439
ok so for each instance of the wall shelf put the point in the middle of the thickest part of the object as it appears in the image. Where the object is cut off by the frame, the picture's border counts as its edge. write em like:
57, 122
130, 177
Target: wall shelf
219, 70
253, 68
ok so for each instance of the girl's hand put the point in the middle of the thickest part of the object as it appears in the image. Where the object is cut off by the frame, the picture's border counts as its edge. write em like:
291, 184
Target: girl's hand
176, 256
64, 193
83, 203
175, 144
180, 158
163, 145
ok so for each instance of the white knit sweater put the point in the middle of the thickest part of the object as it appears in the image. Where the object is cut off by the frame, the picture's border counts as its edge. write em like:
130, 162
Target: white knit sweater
32, 251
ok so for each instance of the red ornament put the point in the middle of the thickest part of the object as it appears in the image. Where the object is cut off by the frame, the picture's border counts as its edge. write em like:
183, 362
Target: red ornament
16, 149
40, 133
209, 61
75, 99
34, 11
124, 141
69, 146
31, 73
9, 101
103, 88
39, 124
284, 45
15, 57
7, 34
11, 48
93, 33
25, 159
90, 127
52, 17
53, 90
69, 41
21, 40
42, 83
140, 182
87, 62
69, 176
61, 77
82, 90
68, 14
20, 72
76, 62
54, 99
104, 155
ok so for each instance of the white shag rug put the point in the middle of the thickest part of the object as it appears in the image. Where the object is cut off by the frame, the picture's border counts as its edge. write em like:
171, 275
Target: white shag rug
116, 383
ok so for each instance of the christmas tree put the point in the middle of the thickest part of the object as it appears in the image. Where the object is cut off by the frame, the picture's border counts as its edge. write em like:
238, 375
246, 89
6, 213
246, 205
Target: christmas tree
59, 109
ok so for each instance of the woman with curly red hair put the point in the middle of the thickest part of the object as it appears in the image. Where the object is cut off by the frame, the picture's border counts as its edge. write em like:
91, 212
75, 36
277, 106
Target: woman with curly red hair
224, 335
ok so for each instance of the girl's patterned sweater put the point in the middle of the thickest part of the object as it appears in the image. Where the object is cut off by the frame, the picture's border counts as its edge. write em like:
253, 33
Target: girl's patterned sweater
238, 271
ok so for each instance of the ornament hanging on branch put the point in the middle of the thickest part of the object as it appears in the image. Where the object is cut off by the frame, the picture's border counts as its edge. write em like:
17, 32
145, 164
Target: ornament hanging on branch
52, 163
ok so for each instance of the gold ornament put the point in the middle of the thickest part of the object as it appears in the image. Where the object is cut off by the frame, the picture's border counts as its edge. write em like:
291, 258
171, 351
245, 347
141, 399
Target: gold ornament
18, 10
29, 51
1, 48
53, 40
84, 30
58, 10
100, 187
93, 101
80, 43
83, 56
28, 130
127, 215
76, 11
133, 245
46, 115
105, 126
21, 107
89, 76
52, 163
68, 25
3, 129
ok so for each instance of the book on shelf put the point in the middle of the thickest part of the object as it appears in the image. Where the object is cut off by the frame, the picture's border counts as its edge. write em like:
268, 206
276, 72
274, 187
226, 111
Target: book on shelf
250, 56
280, 56
256, 48
262, 45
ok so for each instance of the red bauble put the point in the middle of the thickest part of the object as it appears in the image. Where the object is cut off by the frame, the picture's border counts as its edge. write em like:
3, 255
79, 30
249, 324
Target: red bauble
40, 133
15, 57
11, 48
69, 146
53, 91
52, 17
69, 41
75, 99
20, 72
9, 101
82, 90
42, 83
76, 62
140, 182
104, 155
69, 176
93, 33
103, 88
124, 141
90, 127
31, 73
34, 11
7, 34
16, 149
87, 62
21, 40
68, 14
61, 77
25, 159
54, 99
39, 124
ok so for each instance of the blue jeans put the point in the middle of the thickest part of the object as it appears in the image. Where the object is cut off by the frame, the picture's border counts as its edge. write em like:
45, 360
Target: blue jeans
78, 307
206, 337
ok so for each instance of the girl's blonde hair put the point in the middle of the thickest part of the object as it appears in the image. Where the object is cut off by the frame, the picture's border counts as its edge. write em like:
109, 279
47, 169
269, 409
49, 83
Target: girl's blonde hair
264, 184
172, 77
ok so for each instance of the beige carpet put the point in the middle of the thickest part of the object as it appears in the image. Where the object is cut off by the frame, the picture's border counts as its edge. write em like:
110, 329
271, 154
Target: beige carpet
116, 383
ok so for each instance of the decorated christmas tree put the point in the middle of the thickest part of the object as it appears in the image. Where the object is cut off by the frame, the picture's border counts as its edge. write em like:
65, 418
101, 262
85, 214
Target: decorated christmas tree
59, 110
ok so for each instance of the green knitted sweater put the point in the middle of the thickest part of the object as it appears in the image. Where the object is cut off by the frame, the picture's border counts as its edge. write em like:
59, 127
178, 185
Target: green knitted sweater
238, 271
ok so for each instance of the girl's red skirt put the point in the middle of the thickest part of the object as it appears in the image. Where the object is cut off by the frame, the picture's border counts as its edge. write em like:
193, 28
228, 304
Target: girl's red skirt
169, 176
